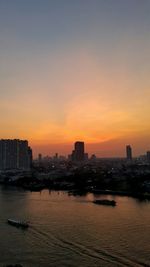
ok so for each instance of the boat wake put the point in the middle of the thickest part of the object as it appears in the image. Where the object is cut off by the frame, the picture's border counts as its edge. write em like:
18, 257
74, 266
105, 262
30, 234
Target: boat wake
105, 258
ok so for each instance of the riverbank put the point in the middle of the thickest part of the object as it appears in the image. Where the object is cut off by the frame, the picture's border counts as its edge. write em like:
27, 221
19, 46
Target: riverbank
144, 196
122, 193
74, 191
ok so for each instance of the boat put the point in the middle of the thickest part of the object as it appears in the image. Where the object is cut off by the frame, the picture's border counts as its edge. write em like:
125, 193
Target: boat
105, 202
18, 223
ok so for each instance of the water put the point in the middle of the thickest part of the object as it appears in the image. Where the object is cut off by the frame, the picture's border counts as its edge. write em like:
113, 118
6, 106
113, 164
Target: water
70, 231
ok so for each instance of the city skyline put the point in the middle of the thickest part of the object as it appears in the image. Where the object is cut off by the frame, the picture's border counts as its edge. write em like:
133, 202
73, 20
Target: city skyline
78, 153
76, 71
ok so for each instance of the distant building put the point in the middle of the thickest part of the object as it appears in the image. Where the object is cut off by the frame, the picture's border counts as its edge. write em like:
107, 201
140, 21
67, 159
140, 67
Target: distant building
30, 156
40, 158
55, 156
15, 154
148, 156
70, 157
78, 152
62, 158
129, 152
73, 155
86, 156
93, 157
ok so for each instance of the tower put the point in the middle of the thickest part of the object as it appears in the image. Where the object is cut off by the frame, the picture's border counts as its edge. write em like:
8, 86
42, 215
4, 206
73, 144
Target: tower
78, 152
129, 152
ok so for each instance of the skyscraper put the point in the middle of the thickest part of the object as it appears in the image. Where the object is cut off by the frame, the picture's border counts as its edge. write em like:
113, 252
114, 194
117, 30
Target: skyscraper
129, 152
14, 154
30, 156
78, 153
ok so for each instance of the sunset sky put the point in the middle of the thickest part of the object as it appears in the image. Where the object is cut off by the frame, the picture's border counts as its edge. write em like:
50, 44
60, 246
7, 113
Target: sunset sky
76, 70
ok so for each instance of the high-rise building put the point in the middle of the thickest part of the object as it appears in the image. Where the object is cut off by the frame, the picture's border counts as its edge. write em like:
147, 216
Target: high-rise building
78, 152
15, 154
40, 159
30, 156
129, 152
56, 156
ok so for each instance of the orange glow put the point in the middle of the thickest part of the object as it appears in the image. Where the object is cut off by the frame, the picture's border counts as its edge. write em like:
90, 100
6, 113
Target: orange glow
88, 102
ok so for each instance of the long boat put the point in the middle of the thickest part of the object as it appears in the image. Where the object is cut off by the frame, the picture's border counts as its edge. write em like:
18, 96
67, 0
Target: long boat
18, 223
105, 202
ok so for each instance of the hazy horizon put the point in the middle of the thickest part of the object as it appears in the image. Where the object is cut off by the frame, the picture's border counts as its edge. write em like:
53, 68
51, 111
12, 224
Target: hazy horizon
76, 70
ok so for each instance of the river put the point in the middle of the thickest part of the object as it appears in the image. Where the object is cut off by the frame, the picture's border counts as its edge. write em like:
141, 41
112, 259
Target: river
71, 231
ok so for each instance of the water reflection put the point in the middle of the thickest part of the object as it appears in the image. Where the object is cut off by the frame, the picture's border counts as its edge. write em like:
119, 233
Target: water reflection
68, 230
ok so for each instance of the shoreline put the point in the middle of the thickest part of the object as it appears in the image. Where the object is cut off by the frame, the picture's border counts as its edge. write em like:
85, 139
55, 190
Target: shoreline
142, 196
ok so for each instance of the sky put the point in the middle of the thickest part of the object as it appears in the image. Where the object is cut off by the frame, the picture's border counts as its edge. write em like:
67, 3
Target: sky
76, 70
